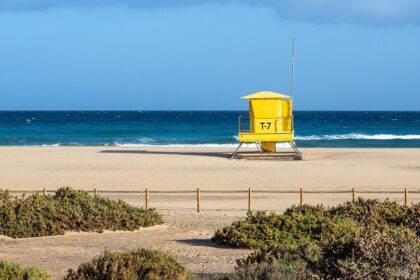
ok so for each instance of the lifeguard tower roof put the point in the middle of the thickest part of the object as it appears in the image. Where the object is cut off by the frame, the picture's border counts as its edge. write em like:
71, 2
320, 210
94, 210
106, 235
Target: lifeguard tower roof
267, 95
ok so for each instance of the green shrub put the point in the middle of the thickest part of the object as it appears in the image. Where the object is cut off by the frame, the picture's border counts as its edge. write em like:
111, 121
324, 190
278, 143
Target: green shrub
374, 253
313, 222
267, 229
273, 263
377, 213
132, 265
272, 271
13, 271
367, 239
388, 253
69, 209
4, 196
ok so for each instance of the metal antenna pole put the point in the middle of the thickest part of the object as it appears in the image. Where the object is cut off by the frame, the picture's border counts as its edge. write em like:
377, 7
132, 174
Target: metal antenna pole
292, 86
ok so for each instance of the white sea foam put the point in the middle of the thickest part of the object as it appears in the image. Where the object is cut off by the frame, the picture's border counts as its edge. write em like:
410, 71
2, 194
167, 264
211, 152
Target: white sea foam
147, 140
150, 142
177, 145
357, 136
208, 145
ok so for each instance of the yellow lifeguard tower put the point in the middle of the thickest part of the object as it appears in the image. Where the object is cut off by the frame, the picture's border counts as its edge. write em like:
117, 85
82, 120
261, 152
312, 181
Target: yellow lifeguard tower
270, 122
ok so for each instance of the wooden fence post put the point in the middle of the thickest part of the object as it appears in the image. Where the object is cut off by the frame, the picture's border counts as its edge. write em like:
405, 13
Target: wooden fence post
95, 192
146, 198
405, 197
198, 199
249, 200
44, 192
353, 193
301, 196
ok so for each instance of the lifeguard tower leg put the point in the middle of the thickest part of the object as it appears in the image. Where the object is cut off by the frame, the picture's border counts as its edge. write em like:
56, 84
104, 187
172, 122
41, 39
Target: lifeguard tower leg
237, 149
295, 148
258, 144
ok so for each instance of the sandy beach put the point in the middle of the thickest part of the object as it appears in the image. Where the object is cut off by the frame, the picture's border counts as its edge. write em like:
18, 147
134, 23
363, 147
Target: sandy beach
186, 233
131, 168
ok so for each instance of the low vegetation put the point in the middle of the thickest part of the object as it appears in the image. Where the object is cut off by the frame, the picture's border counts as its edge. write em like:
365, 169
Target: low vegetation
69, 210
13, 271
142, 264
367, 239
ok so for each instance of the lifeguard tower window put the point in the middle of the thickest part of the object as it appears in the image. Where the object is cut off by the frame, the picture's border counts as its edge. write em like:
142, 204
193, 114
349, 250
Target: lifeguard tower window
270, 122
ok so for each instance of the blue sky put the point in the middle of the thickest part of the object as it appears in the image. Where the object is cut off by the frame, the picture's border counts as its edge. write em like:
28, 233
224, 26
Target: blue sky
204, 55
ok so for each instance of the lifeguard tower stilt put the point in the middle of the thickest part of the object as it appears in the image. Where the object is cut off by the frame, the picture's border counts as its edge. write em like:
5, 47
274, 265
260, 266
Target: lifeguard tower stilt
270, 122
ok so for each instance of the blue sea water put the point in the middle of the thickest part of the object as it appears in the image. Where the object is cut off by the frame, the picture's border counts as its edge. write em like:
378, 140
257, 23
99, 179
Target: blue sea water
202, 128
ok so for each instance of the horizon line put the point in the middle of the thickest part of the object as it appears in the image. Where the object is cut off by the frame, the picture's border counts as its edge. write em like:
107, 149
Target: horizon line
195, 110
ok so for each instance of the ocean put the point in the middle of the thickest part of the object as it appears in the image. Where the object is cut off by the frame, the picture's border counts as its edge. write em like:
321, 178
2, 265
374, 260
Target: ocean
202, 128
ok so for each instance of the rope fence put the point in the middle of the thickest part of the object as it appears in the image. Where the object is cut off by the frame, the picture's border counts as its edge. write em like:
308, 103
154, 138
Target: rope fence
198, 193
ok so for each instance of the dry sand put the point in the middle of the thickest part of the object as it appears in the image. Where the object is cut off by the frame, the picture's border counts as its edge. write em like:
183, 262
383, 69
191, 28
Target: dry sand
186, 233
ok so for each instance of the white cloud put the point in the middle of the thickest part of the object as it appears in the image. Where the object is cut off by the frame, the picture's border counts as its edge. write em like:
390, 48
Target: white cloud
360, 11
327, 11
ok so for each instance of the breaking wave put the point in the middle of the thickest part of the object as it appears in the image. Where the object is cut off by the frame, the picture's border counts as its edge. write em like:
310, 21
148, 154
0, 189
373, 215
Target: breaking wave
356, 136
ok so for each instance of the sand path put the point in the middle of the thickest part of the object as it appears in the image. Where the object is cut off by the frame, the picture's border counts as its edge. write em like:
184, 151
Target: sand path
184, 235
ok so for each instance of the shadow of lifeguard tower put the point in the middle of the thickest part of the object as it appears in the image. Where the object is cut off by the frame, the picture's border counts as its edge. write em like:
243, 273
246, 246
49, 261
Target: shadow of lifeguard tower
270, 122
